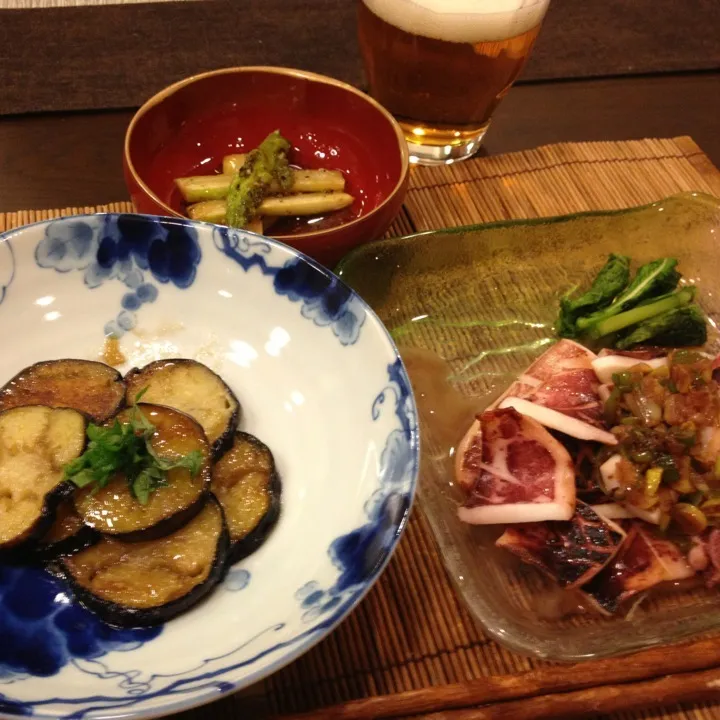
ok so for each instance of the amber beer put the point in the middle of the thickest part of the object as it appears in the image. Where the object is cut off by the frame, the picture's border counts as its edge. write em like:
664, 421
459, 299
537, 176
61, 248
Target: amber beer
442, 66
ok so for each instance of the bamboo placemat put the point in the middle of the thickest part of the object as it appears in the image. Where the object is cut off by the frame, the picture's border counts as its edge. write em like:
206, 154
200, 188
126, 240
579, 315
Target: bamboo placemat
412, 633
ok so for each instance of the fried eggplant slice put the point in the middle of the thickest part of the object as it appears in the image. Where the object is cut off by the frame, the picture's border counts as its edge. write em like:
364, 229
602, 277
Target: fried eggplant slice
114, 510
248, 487
67, 535
93, 388
147, 583
193, 388
36, 443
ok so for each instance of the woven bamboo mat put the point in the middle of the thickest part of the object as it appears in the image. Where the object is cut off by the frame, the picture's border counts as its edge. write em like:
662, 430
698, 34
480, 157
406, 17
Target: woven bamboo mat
411, 632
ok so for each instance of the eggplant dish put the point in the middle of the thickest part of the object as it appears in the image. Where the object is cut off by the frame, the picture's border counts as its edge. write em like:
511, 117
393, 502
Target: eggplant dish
35, 445
139, 492
193, 388
90, 387
115, 511
248, 487
146, 583
67, 535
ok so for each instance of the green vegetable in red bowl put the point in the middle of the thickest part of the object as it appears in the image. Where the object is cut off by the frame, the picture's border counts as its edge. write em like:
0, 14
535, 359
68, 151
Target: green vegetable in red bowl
261, 187
251, 183
342, 195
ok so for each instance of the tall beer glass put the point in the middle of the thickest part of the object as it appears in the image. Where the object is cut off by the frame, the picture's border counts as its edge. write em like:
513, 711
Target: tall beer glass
443, 66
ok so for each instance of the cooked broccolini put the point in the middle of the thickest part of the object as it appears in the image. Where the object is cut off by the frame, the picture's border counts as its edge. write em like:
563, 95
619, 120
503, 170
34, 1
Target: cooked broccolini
648, 310
610, 281
263, 167
682, 327
655, 278
643, 312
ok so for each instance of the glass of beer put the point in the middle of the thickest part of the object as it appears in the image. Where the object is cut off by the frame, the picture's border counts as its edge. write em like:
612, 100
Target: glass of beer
443, 66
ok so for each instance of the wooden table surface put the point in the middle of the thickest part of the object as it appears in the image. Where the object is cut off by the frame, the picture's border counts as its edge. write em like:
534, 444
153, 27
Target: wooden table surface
74, 159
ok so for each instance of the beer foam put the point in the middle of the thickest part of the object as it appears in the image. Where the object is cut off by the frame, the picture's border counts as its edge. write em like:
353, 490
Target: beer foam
470, 21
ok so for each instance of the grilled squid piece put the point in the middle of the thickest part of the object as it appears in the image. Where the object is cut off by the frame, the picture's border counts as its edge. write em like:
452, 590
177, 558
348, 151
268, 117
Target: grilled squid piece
605, 366
571, 552
562, 392
643, 562
513, 470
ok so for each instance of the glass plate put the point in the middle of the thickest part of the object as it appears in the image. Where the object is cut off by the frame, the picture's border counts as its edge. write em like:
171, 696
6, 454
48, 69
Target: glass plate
470, 308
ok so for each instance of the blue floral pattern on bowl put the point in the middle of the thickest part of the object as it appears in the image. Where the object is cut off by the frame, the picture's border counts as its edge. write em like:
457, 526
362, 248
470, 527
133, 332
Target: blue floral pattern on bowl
42, 629
126, 248
325, 299
127, 259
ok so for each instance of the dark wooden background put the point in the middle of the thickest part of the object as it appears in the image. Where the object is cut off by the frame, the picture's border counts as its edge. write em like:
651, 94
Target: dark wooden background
115, 56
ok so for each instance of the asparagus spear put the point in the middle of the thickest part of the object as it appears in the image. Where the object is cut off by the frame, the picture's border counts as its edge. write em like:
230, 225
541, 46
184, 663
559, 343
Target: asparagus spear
215, 187
305, 204
203, 187
212, 211
288, 205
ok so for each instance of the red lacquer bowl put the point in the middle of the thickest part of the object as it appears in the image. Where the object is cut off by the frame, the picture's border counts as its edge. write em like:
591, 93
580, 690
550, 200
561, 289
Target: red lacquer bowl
187, 129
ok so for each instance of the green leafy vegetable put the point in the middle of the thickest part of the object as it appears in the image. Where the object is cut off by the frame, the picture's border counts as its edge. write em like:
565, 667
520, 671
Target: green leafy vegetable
251, 185
126, 448
655, 278
610, 281
615, 323
649, 310
684, 326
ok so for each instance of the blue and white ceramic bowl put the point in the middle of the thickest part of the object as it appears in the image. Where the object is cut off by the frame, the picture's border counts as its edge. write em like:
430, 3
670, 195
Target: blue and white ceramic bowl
320, 382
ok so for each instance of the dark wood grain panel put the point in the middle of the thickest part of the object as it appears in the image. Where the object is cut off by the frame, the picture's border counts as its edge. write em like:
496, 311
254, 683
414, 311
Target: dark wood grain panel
72, 159
62, 160
612, 109
118, 55
114, 56
593, 38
